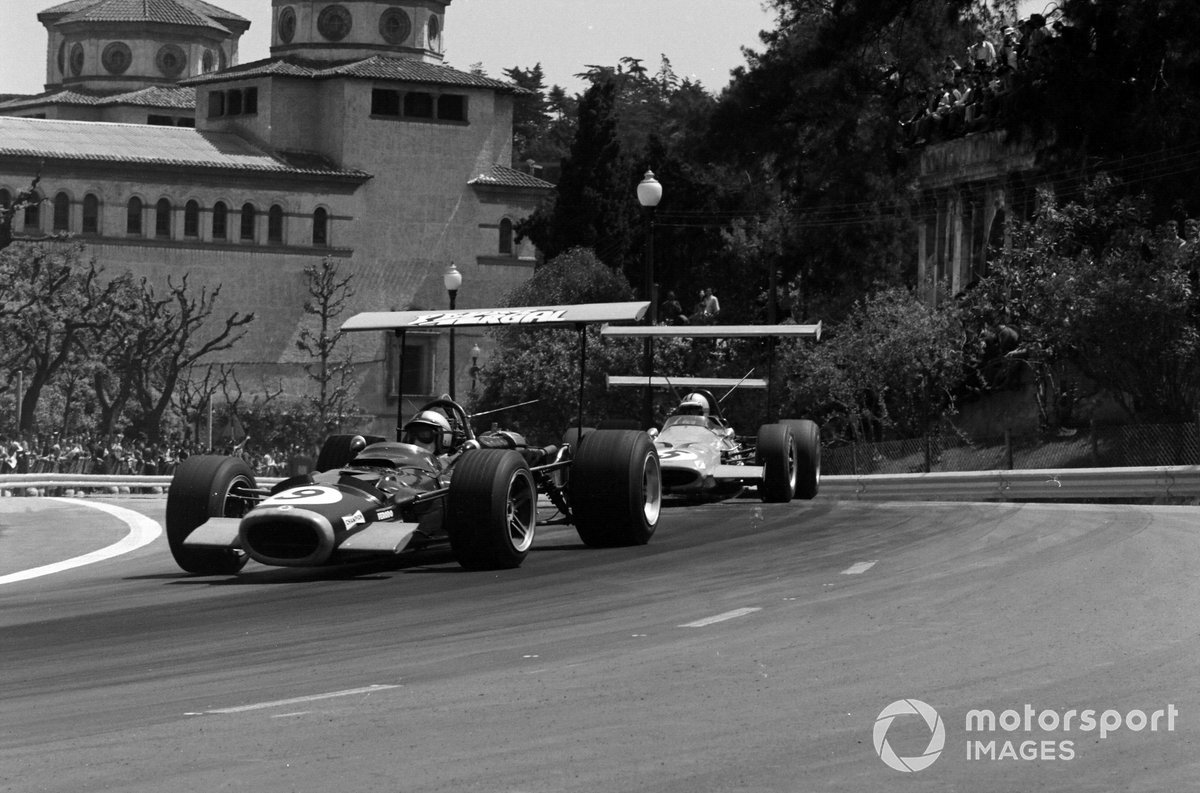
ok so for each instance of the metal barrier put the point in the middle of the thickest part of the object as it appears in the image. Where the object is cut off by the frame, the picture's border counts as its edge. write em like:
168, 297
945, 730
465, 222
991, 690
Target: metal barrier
1064, 484
1061, 484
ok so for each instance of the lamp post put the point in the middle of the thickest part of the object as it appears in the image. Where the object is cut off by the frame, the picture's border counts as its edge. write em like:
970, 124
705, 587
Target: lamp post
475, 353
649, 193
452, 280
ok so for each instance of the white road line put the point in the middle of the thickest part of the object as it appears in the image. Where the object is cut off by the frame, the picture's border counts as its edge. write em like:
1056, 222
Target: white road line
142, 531
279, 703
858, 568
728, 615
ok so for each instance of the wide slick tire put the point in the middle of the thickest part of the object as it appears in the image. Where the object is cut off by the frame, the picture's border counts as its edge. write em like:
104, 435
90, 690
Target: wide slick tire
207, 486
807, 436
491, 509
777, 455
616, 488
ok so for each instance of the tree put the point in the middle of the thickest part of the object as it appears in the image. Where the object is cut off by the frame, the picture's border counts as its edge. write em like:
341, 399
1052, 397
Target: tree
1094, 286
52, 301
893, 364
328, 295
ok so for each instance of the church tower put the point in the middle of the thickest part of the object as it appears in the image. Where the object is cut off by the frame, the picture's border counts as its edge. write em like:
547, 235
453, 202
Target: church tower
355, 29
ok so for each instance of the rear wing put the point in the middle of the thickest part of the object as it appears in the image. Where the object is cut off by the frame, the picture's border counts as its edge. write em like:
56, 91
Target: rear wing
577, 317
526, 317
716, 331
686, 382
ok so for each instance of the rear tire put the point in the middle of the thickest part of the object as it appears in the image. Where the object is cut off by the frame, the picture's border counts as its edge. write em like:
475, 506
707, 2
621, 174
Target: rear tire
491, 510
777, 454
616, 488
807, 436
341, 449
207, 486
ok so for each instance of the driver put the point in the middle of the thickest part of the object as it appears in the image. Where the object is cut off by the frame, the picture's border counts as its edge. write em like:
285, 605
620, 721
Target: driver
693, 405
429, 430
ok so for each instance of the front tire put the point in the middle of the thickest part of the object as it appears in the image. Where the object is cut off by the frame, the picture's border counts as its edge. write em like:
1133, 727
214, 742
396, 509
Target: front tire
491, 510
807, 436
616, 488
207, 486
777, 454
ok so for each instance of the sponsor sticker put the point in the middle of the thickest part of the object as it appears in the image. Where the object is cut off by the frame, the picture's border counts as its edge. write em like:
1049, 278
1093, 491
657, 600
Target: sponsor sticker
496, 317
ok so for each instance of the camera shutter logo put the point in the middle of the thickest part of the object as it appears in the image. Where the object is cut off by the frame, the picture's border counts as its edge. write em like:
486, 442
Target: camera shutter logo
909, 707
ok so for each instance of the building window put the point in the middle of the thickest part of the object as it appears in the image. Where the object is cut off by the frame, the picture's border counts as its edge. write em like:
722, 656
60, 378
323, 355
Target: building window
418, 364
216, 104
133, 216
162, 218
62, 212
275, 224
233, 103
385, 102
91, 214
395, 26
418, 105
33, 214
506, 237
320, 227
191, 219
248, 218
452, 107
220, 221
250, 101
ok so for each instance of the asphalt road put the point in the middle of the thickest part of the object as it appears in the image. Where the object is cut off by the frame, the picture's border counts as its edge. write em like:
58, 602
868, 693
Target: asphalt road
749, 647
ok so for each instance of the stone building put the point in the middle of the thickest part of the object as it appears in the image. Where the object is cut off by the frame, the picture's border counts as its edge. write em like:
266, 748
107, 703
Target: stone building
352, 141
969, 188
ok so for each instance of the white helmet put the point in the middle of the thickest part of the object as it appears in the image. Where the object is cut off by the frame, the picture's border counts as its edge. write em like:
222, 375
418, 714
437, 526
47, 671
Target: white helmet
430, 430
693, 405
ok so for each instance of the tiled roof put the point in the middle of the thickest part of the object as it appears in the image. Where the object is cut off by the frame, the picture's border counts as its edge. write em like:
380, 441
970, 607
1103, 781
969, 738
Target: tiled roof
172, 97
173, 12
377, 67
143, 144
503, 176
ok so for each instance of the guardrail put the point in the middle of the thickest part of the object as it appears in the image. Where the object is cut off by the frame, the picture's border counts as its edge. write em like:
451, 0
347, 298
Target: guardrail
1063, 484
1060, 484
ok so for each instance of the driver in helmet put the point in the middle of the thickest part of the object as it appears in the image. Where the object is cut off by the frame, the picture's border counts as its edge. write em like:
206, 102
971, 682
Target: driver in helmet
429, 430
693, 405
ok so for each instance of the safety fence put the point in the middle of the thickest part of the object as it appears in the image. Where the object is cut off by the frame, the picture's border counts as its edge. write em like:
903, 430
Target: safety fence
1161, 484
1092, 447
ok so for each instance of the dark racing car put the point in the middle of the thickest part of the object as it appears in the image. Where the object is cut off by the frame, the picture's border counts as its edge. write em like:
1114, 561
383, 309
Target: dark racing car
371, 497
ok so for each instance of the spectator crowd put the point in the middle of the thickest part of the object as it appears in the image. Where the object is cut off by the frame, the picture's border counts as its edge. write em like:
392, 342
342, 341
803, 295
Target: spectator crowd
973, 95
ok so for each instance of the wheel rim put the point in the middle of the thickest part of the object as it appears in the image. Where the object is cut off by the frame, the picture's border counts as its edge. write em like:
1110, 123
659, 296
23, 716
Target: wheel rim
520, 512
793, 465
651, 489
237, 498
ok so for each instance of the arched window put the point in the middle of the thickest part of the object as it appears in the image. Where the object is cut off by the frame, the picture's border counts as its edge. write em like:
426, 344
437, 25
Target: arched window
248, 219
162, 218
91, 214
33, 214
275, 224
133, 216
506, 237
220, 221
320, 227
191, 219
62, 212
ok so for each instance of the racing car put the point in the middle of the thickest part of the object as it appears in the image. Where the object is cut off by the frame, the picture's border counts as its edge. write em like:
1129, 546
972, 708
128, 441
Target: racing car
702, 456
370, 497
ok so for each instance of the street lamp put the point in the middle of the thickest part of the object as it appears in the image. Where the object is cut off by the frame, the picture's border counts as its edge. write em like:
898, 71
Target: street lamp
452, 281
649, 193
475, 353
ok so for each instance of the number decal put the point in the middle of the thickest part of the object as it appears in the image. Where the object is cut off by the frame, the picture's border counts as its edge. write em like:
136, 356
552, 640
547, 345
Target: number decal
314, 494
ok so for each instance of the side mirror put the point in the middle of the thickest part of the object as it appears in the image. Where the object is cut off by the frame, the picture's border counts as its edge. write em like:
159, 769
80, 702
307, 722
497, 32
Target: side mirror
652, 432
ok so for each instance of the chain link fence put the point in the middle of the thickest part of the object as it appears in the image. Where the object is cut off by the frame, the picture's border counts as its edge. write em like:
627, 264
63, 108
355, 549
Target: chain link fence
1094, 447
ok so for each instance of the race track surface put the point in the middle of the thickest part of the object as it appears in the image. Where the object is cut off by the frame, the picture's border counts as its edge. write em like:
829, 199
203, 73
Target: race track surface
749, 647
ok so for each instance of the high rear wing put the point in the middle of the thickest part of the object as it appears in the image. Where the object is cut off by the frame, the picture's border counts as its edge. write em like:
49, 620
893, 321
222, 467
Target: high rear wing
529, 316
683, 382
716, 331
